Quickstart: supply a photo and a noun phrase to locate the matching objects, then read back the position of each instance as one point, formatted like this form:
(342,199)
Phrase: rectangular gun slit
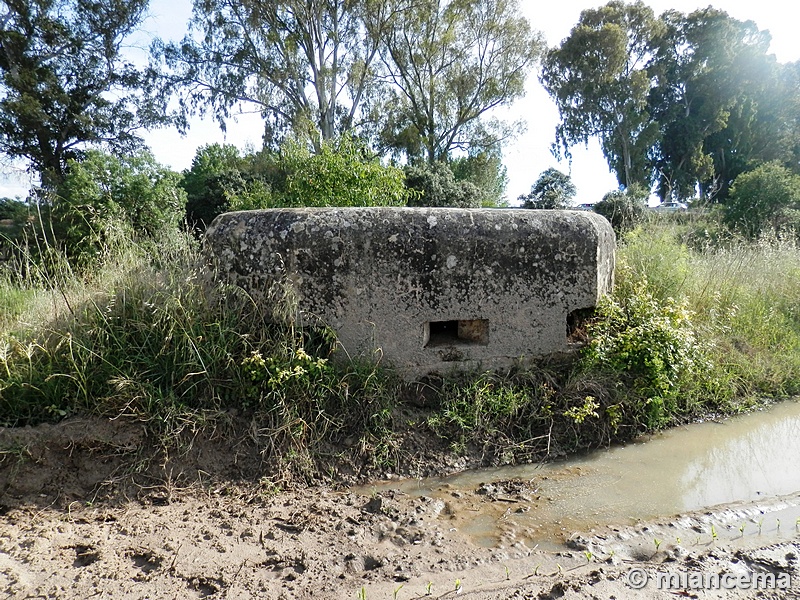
(456,332)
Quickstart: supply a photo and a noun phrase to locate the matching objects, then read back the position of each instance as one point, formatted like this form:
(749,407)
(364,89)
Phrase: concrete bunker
(429,289)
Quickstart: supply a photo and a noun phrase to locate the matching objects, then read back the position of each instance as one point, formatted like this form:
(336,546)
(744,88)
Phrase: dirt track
(240,540)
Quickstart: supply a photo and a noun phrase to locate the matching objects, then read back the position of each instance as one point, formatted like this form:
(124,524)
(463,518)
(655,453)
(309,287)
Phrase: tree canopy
(449,64)
(683,102)
(687,102)
(708,68)
(64,84)
(307,66)
(598,78)
(553,189)
(415,76)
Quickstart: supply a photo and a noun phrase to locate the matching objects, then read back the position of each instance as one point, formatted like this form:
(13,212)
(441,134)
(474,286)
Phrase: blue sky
(527,156)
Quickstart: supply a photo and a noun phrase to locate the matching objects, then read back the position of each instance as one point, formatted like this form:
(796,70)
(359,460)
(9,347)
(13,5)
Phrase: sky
(526,156)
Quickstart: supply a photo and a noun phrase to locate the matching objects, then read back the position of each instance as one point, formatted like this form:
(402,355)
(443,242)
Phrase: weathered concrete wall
(431,288)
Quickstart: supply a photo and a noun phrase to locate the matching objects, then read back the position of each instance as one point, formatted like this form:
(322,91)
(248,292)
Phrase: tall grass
(744,296)
(149,334)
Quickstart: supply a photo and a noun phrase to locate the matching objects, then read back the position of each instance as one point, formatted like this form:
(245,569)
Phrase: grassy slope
(147,334)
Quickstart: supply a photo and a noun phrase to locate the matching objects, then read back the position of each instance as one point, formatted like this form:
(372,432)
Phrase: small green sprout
(657,542)
(428,588)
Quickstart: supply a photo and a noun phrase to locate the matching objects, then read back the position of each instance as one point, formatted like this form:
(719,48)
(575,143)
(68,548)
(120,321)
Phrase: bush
(342,174)
(652,347)
(742,296)
(103,193)
(435,185)
(624,209)
(553,190)
(13,210)
(14,219)
(763,198)
(221,180)
(486,171)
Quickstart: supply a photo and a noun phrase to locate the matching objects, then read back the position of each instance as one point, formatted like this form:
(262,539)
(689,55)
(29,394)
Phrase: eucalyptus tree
(449,63)
(710,72)
(306,65)
(763,124)
(65,84)
(599,81)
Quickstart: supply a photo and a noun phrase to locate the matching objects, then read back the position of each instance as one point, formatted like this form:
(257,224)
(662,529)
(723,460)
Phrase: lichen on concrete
(427,289)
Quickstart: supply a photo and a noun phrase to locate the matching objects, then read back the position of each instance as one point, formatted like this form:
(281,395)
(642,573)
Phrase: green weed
(150,335)
(697,325)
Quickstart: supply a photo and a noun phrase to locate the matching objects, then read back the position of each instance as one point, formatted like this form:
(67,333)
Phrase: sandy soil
(70,528)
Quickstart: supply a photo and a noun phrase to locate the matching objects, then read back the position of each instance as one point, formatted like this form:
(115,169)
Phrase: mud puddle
(749,459)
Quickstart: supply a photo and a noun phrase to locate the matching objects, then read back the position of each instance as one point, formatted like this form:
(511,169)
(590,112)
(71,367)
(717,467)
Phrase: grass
(745,300)
(698,324)
(149,335)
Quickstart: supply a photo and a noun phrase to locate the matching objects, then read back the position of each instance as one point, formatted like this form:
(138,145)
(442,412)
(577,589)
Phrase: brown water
(753,457)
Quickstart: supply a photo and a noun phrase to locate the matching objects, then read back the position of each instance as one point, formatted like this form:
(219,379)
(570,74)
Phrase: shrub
(342,174)
(486,171)
(552,190)
(653,348)
(13,210)
(435,185)
(743,299)
(103,193)
(762,198)
(221,180)
(15,218)
(624,209)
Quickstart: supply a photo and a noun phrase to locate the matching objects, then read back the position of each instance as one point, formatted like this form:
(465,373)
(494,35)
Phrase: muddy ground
(74,525)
